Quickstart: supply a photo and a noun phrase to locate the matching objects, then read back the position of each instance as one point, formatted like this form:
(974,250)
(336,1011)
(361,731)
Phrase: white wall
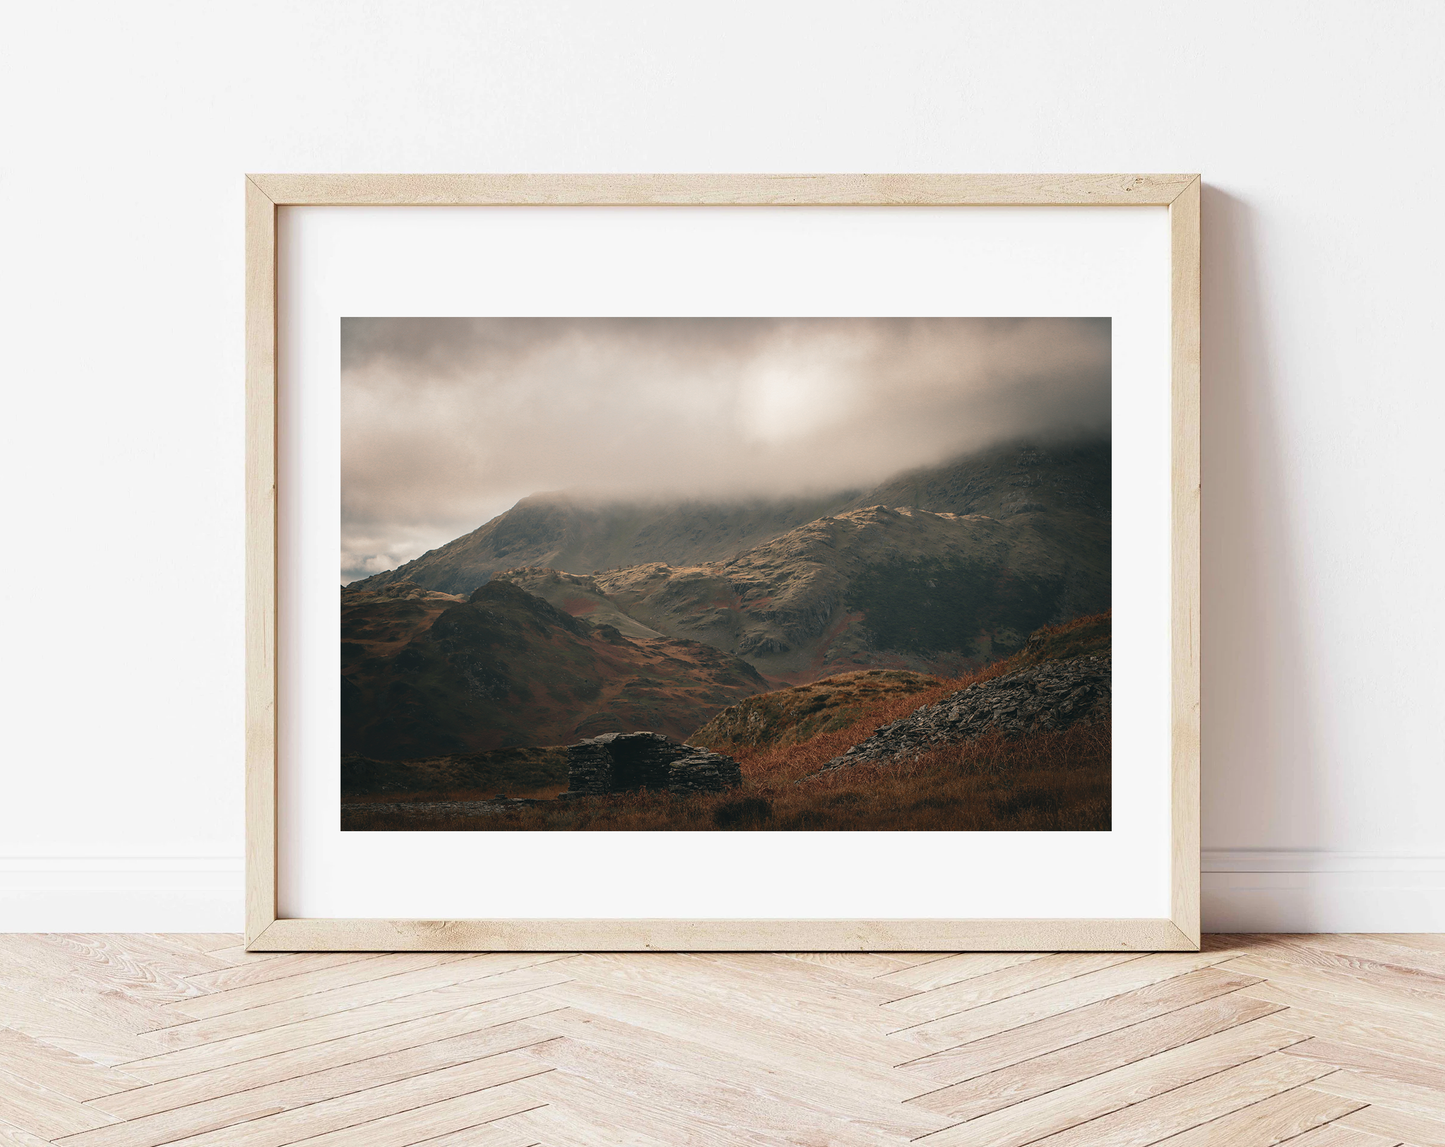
(127,129)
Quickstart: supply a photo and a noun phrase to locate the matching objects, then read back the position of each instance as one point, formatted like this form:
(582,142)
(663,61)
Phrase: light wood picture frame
(265,930)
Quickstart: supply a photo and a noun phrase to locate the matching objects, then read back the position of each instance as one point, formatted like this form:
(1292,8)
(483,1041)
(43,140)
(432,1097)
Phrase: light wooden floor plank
(1389,1122)
(774,971)
(1351,955)
(1027,1007)
(1342,1018)
(1338,1135)
(939,1003)
(1100,1096)
(468,1113)
(208,942)
(771,1113)
(598,1105)
(914,959)
(494,1025)
(44,1112)
(334,1025)
(282,989)
(271,1099)
(1273,1120)
(72,1026)
(952,969)
(1406,951)
(865,964)
(189,1041)
(1376,1064)
(503,1132)
(1006,1086)
(416,975)
(260,967)
(323,1118)
(757,1001)
(1402,991)
(692,1065)
(1074,1025)
(1184,1108)
(12,1136)
(49,1066)
(1426,1101)
(744,1037)
(569,1126)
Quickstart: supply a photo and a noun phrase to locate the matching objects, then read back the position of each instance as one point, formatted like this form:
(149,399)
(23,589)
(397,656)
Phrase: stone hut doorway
(637,764)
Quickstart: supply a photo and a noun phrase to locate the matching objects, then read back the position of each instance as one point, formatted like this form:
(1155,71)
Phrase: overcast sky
(446,423)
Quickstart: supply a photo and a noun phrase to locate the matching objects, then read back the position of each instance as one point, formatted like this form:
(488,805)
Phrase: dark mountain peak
(516,604)
(507,668)
(539,520)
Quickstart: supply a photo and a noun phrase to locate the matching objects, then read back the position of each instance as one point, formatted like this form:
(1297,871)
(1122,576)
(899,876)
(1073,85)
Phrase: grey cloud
(446,422)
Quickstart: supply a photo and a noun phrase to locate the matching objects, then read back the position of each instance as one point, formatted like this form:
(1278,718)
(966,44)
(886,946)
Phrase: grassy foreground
(1051,782)
(1046,782)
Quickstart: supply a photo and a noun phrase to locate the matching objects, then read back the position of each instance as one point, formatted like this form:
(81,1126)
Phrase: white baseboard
(1243,891)
(1262,891)
(121,894)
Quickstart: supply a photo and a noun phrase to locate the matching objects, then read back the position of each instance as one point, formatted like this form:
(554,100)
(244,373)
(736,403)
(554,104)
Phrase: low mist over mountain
(935,570)
(579,535)
(447,422)
(766,533)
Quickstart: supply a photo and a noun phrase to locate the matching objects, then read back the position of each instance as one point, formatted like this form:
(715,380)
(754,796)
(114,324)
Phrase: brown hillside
(1040,782)
(878,588)
(425,675)
(786,716)
(773,731)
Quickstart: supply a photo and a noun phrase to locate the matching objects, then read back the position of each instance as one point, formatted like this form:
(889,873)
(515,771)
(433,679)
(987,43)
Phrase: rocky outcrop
(620,762)
(1046,697)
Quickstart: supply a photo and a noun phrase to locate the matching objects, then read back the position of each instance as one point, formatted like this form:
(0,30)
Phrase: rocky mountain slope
(882,586)
(429,675)
(542,654)
(879,587)
(575,535)
(1062,676)
(1043,698)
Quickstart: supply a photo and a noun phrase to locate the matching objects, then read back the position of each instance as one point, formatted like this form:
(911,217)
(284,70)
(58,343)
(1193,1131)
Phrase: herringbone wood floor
(141,1040)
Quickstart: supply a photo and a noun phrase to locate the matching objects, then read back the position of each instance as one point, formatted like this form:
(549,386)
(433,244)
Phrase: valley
(793,749)
(757,629)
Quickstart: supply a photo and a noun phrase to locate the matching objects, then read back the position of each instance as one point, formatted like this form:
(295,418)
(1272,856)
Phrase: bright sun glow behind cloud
(447,422)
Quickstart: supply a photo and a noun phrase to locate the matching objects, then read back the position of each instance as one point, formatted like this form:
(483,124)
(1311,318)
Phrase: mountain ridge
(1008,541)
(582,536)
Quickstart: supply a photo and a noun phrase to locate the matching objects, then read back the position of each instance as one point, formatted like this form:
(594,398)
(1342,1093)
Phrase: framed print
(723,562)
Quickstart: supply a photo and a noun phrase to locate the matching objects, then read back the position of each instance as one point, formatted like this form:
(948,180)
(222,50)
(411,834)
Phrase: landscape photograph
(726,574)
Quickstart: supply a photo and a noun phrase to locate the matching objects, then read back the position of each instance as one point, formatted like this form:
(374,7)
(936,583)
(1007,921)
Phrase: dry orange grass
(1059,782)
(1047,782)
(426,796)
